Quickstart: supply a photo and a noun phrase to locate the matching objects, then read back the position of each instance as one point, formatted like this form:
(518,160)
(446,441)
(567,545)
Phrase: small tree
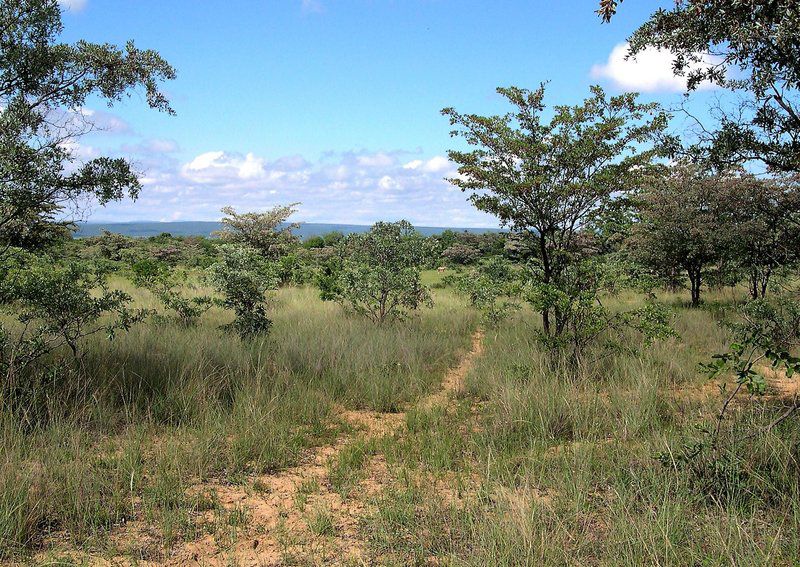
(380,273)
(267,232)
(763,222)
(549,179)
(243,276)
(682,226)
(55,306)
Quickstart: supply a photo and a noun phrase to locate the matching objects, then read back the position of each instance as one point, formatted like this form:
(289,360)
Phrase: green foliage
(682,226)
(761,223)
(243,276)
(549,178)
(327,278)
(164,283)
(380,272)
(267,232)
(586,323)
(753,49)
(55,306)
(326,240)
(490,288)
(44,82)
(460,254)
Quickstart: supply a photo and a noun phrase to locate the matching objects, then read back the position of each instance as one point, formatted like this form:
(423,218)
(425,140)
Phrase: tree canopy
(43,87)
(549,178)
(750,48)
(267,232)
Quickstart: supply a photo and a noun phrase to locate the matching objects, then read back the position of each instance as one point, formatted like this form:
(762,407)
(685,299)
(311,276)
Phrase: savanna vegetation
(610,380)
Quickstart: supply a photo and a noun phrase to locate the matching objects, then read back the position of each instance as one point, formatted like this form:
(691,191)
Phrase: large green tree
(682,226)
(755,54)
(44,85)
(549,173)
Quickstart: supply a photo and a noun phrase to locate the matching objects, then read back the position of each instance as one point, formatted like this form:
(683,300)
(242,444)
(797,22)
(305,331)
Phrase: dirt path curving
(297,515)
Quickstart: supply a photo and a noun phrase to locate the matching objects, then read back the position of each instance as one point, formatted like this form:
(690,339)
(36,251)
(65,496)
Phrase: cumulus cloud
(650,71)
(436,164)
(73,5)
(212,166)
(348,187)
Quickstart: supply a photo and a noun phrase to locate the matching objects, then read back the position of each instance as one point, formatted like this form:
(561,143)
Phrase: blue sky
(335,103)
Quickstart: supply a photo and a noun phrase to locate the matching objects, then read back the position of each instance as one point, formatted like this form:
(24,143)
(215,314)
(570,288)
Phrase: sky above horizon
(336,103)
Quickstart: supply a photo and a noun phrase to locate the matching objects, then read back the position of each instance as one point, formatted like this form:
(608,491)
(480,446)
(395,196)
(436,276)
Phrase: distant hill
(205,228)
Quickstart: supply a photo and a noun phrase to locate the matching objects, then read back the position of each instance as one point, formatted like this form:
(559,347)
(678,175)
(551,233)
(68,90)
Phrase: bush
(380,274)
(243,276)
(55,306)
(490,288)
(162,282)
(461,254)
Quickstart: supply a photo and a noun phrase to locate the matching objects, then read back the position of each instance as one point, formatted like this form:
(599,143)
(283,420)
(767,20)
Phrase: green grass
(541,468)
(528,466)
(163,407)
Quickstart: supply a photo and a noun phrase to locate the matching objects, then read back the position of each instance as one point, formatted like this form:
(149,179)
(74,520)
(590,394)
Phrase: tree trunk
(546,277)
(753,284)
(695,280)
(765,282)
(546,321)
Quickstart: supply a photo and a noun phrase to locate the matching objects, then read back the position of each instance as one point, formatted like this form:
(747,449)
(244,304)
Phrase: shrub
(380,274)
(243,276)
(461,254)
(162,282)
(55,306)
(490,288)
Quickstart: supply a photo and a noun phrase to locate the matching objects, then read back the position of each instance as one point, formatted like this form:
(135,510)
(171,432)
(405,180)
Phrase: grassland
(333,441)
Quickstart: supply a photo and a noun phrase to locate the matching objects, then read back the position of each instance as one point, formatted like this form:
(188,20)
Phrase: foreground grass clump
(122,436)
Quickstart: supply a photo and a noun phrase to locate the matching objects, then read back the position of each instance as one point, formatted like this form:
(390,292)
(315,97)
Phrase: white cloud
(387,183)
(650,71)
(73,5)
(375,160)
(351,187)
(211,166)
(437,164)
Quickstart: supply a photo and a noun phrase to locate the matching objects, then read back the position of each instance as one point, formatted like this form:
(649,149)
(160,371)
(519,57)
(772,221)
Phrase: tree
(55,306)
(763,226)
(379,277)
(43,87)
(243,276)
(750,48)
(680,226)
(267,232)
(549,178)
(461,254)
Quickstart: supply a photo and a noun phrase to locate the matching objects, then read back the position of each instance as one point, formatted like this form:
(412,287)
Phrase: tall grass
(125,432)
(564,470)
